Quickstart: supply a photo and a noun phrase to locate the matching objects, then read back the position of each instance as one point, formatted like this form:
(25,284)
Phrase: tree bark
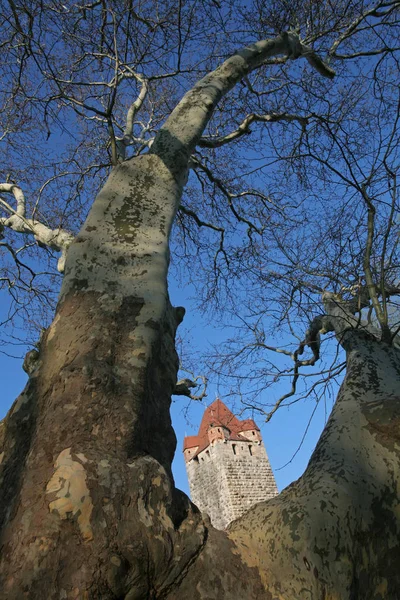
(90,437)
(335,532)
(90,512)
(88,505)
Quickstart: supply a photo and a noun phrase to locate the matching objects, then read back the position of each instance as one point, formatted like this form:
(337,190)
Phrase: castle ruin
(227,465)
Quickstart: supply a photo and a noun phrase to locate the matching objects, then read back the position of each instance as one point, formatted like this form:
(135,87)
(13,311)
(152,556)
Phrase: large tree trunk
(88,445)
(88,505)
(335,533)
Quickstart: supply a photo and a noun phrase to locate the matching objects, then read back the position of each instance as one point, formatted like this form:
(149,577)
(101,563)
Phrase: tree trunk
(335,532)
(88,505)
(89,509)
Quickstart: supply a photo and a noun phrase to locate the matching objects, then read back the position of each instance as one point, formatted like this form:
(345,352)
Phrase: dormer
(217,432)
(190,447)
(250,431)
(189,453)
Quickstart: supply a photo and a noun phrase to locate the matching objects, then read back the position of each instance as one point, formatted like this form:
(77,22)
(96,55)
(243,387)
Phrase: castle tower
(227,465)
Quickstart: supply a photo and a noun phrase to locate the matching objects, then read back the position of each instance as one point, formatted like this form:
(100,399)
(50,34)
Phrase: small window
(251,451)
(219,431)
(234,448)
(253,432)
(208,453)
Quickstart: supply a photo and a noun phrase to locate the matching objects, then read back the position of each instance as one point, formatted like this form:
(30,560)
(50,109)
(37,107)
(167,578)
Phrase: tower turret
(227,465)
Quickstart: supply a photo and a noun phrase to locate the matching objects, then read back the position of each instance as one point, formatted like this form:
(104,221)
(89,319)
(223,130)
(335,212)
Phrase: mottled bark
(89,444)
(335,532)
(90,515)
(88,506)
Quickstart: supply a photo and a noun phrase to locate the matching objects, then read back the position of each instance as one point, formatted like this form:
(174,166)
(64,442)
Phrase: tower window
(234,448)
(251,451)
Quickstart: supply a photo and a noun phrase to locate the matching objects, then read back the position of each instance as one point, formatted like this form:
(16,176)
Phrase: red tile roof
(218,415)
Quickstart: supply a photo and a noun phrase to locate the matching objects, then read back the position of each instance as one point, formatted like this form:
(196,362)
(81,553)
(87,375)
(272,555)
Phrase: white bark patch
(164,517)
(52,328)
(73,498)
(115,560)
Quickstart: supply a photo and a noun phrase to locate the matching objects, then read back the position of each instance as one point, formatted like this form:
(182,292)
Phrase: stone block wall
(228,477)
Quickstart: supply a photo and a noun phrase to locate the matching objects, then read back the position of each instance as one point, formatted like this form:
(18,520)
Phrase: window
(251,451)
(234,448)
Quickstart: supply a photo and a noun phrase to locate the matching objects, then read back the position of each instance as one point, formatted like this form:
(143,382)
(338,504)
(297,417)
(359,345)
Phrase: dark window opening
(251,451)
(234,448)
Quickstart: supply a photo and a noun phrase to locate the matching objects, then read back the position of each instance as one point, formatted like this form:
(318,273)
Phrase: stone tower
(227,465)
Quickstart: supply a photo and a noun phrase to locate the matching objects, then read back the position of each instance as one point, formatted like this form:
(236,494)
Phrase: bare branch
(183,387)
(199,222)
(376,52)
(57,239)
(244,128)
(318,326)
(316,62)
(136,105)
(197,105)
(354,25)
(228,195)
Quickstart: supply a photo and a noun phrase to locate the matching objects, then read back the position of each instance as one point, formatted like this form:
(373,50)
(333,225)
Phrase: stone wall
(228,477)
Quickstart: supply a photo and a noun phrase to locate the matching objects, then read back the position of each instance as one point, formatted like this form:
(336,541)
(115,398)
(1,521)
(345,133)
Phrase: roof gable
(218,415)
